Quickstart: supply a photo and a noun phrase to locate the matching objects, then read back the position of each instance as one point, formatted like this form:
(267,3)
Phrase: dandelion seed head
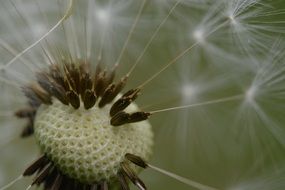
(198,35)
(233,20)
(39,29)
(251,94)
(103,16)
(189,91)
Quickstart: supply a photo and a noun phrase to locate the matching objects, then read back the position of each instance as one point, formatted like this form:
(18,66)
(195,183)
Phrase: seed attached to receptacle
(124,101)
(132,176)
(70,137)
(136,160)
(35,166)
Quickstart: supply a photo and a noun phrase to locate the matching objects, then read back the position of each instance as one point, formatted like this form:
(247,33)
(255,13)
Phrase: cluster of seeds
(76,84)
(74,111)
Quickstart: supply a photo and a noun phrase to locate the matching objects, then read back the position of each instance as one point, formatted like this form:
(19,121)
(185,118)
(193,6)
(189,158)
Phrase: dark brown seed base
(75,84)
(52,179)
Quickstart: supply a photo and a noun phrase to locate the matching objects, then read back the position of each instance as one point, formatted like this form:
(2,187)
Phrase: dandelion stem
(12,183)
(200,104)
(130,33)
(65,16)
(182,179)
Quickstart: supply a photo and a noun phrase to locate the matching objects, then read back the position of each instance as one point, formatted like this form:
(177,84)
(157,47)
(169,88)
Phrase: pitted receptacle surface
(83,144)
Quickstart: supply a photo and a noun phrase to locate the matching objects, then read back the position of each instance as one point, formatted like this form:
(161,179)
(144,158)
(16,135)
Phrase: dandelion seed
(250,94)
(103,16)
(189,91)
(199,35)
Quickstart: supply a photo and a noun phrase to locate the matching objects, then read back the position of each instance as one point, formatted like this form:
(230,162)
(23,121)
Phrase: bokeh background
(238,50)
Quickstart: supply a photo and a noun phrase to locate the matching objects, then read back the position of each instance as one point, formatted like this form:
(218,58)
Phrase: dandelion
(180,94)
